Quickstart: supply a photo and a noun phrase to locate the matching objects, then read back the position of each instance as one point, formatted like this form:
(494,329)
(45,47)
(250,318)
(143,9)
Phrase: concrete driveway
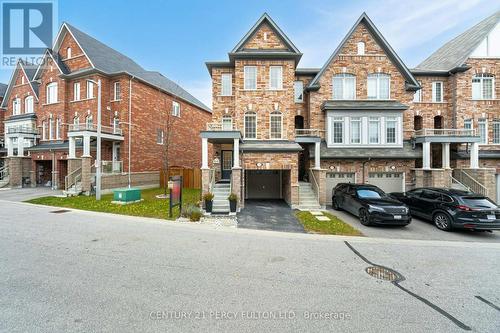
(417,229)
(23,194)
(273,215)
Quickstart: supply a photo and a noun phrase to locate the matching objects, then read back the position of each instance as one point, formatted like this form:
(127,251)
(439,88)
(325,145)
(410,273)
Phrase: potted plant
(233,200)
(208,198)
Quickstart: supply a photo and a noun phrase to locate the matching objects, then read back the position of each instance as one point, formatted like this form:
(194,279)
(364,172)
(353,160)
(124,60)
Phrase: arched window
(227,123)
(379,86)
(52,93)
(344,86)
(51,128)
(361,48)
(276,125)
(250,130)
(44,130)
(89,123)
(417,123)
(483,86)
(16,106)
(28,104)
(68,53)
(58,128)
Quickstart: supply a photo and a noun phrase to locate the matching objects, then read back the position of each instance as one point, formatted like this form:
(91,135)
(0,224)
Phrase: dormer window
(361,48)
(68,53)
(52,93)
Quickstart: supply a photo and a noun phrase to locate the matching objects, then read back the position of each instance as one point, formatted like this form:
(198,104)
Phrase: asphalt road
(90,272)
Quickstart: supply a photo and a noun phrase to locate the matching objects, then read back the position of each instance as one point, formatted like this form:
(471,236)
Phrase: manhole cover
(382,273)
(60,211)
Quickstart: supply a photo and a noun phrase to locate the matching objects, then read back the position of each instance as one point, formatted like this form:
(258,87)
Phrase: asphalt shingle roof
(406,152)
(363,105)
(3,89)
(110,61)
(454,53)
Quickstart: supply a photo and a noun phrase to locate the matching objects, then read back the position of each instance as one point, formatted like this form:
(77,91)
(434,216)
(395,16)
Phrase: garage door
(387,181)
(333,178)
(263,184)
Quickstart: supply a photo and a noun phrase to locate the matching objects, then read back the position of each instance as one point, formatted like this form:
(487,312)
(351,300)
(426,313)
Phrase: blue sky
(177,37)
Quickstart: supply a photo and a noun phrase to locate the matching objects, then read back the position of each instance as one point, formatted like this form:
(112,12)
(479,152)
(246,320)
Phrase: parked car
(370,204)
(449,208)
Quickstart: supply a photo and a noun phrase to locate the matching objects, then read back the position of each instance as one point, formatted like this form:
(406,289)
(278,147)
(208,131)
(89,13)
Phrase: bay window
(250,78)
(250,125)
(379,86)
(344,86)
(276,125)
(390,129)
(275,78)
(483,86)
(356,130)
(338,130)
(374,130)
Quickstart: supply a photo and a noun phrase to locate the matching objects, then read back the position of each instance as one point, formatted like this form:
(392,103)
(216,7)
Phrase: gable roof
(454,53)
(3,89)
(56,59)
(111,62)
(29,70)
(265,18)
(412,83)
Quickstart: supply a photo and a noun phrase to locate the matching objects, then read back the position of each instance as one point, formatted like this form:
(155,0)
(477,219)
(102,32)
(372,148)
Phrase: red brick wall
(78,59)
(20,90)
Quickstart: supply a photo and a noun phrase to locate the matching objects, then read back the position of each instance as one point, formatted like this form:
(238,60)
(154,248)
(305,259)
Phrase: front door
(227,164)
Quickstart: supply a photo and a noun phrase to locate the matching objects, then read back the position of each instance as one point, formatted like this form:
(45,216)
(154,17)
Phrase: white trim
(55,98)
(30,97)
(485,122)
(378,76)
(276,114)
(114,91)
(230,84)
(301,100)
(79,91)
(174,105)
(434,100)
(245,80)
(280,78)
(250,114)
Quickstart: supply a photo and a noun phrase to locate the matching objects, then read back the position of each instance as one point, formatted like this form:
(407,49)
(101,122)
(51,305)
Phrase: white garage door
(387,181)
(333,178)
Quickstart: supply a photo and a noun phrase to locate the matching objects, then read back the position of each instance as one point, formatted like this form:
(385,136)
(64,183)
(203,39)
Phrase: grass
(333,227)
(149,207)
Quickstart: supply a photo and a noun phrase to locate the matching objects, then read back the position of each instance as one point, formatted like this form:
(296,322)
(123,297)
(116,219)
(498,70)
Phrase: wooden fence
(191,177)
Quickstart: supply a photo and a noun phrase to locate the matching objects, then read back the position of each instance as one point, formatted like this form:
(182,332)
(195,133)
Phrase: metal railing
(308,132)
(93,128)
(445,132)
(112,167)
(314,184)
(458,184)
(468,181)
(4,172)
(217,126)
(73,178)
(22,129)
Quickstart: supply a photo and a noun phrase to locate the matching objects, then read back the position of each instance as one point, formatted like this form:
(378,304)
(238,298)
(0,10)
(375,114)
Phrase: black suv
(370,204)
(449,208)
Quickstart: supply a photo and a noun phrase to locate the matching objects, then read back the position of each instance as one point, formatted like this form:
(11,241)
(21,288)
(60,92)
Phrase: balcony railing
(445,132)
(22,129)
(308,132)
(112,167)
(221,127)
(93,127)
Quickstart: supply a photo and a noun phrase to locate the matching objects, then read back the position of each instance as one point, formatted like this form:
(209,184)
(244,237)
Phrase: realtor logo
(28,28)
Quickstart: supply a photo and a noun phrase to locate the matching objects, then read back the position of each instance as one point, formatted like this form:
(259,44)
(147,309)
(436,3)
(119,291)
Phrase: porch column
(72,145)
(426,155)
(10,147)
(317,160)
(236,153)
(474,156)
(446,155)
(86,145)
(204,153)
(20,146)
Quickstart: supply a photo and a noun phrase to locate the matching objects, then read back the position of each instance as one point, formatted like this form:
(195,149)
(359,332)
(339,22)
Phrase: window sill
(81,100)
(225,95)
(278,89)
(46,104)
(115,100)
(299,102)
(250,89)
(369,145)
(484,100)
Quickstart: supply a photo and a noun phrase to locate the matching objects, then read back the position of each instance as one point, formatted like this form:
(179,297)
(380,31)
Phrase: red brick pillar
(236,187)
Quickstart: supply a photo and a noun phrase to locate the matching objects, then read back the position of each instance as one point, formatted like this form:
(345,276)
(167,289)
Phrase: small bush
(208,196)
(187,210)
(195,214)
(232,197)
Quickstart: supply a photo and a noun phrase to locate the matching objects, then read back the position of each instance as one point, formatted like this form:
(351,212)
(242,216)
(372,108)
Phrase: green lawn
(333,227)
(149,207)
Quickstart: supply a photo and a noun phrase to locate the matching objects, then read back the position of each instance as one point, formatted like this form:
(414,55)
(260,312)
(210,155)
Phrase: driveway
(273,215)
(418,229)
(23,194)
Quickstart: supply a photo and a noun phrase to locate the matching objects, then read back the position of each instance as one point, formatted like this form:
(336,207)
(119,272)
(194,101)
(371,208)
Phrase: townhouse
(283,132)
(51,117)
(3,89)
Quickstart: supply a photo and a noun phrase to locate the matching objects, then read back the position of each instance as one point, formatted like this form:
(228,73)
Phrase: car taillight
(465,208)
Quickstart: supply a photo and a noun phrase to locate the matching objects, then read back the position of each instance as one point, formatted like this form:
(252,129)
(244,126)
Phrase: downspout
(130,129)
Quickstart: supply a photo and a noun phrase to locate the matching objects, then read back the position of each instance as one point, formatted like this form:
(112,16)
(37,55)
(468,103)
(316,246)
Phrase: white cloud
(201,89)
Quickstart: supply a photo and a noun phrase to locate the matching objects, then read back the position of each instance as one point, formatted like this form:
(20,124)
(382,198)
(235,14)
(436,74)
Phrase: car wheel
(364,217)
(442,221)
(335,205)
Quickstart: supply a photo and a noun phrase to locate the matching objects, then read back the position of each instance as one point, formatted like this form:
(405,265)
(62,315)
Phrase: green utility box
(126,195)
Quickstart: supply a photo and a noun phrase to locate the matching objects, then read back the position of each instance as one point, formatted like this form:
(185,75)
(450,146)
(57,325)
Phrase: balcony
(22,130)
(218,132)
(113,130)
(446,135)
(221,127)
(308,135)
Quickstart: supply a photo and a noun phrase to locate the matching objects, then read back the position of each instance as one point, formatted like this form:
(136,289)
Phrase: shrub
(187,210)
(195,214)
(208,196)
(232,197)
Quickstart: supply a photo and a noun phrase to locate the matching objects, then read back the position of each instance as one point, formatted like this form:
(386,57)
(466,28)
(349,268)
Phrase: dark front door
(226,164)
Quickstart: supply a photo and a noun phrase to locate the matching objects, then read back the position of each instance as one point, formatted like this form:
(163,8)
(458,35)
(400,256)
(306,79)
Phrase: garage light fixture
(259,164)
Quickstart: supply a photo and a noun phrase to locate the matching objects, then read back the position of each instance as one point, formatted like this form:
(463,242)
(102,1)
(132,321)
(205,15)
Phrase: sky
(177,37)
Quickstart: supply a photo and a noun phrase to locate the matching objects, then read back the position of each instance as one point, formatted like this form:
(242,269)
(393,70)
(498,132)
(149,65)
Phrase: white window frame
(116,124)
(68,53)
(344,78)
(361,48)
(298,91)
(338,120)
(249,115)
(76,91)
(417,96)
(246,79)
(51,128)
(176,109)
(58,128)
(279,79)
(76,123)
(434,92)
(226,84)
(378,79)
(89,122)
(378,121)
(387,121)
(160,136)
(272,116)
(227,126)
(29,104)
(16,106)
(117,91)
(44,130)
(481,94)
(359,122)
(90,89)
(51,91)
(484,139)
(496,131)
(468,124)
